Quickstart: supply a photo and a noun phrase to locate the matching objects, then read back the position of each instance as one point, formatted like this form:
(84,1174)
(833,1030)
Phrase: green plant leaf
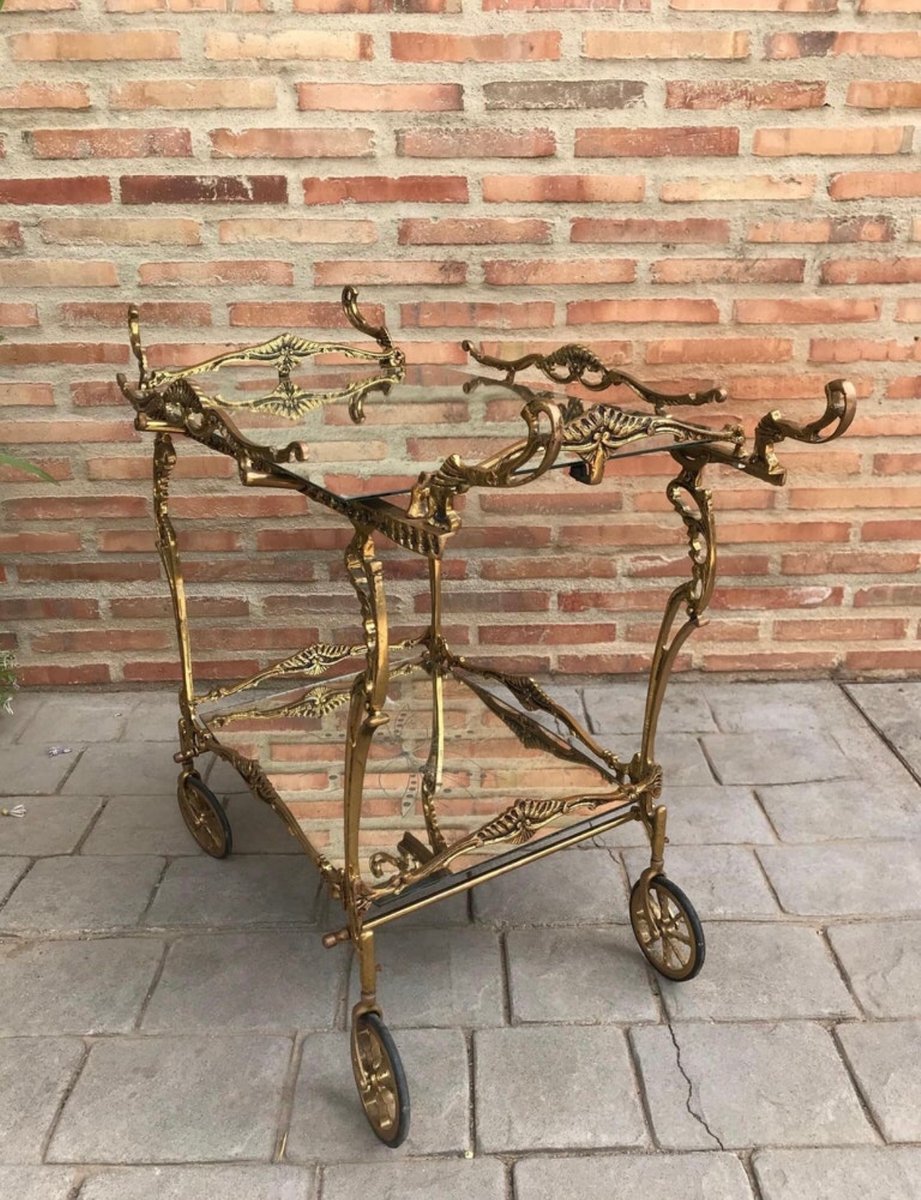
(21,464)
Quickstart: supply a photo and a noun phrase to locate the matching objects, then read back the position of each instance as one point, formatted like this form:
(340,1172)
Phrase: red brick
(546,271)
(309,315)
(377,6)
(169,313)
(883,660)
(858,498)
(380,97)
(727,270)
(823,229)
(301,44)
(39,608)
(183,94)
(67,46)
(897,44)
(33,395)
(904,387)
(472,232)
(850,562)
(245,230)
(891,531)
(473,142)
(807,310)
(565,189)
(875,93)
(95,394)
(884,595)
(433,315)
(74,508)
(45,95)
(846,350)
(89,572)
(639,229)
(740,93)
(671,311)
(908,310)
(537,635)
(455,48)
(665,43)
(719,350)
(40,543)
(383,189)
(871,270)
(18,316)
(233,273)
(110,143)
(291,143)
(754,6)
(204,189)
(60,353)
(779,141)
(108,641)
(566,5)
(683,141)
(121,231)
(75,189)
(737,187)
(63,676)
(860,185)
(355,271)
(10,235)
(57,272)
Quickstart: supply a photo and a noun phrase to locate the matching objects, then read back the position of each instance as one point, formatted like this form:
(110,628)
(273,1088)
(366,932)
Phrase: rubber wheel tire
(378,1029)
(204,816)
(639,918)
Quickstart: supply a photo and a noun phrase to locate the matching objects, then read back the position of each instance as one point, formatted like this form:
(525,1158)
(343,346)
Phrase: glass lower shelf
(487,771)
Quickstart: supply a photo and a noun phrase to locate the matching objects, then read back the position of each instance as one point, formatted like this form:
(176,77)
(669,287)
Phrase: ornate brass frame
(558,433)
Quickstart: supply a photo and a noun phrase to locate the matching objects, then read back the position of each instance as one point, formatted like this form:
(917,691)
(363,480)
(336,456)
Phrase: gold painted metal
(560,432)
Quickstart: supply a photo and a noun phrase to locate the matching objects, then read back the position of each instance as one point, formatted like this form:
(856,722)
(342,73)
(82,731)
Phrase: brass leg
(694,596)
(164,459)
(366,713)
(434,767)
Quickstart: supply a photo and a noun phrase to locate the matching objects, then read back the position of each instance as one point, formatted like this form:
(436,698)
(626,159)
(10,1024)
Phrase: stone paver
(242,1182)
(31,771)
(720,881)
(747,1085)
(124,769)
(448,1179)
(843,808)
(275,982)
(887,1066)
(178,1099)
(11,871)
(428,978)
(140,825)
(79,987)
(626,1176)
(536,1085)
(890,1173)
(787,756)
(882,960)
(761,973)
(166,1020)
(96,718)
(327,1122)
(837,879)
(249,890)
(34,1075)
(620,706)
(557,890)
(701,815)
(52,824)
(613,980)
(894,709)
(82,894)
(757,707)
(37,1183)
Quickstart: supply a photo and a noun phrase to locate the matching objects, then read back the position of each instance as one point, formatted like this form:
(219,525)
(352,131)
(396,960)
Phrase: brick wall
(716,191)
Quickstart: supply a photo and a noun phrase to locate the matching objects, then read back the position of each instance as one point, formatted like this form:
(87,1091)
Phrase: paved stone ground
(171,1029)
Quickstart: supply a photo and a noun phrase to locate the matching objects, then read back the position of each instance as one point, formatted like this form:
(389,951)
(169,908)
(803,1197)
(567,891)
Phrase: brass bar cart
(383,852)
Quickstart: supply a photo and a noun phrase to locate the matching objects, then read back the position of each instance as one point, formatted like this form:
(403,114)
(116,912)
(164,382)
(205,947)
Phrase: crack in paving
(698,1117)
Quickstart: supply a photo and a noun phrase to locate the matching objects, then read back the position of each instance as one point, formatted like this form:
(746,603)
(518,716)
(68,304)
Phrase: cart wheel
(667,928)
(204,815)
(380,1079)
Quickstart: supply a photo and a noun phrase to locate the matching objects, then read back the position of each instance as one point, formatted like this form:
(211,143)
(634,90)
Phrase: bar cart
(452,771)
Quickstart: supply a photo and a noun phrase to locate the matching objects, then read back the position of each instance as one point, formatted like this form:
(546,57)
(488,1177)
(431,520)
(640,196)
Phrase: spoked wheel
(380,1079)
(204,815)
(667,928)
